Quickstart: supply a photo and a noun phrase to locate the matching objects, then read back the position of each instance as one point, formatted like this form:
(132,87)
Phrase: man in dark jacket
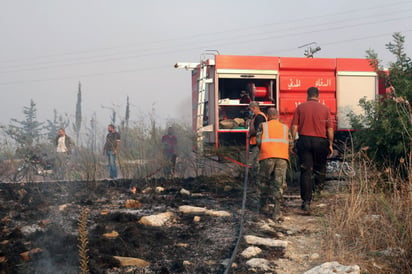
(111,149)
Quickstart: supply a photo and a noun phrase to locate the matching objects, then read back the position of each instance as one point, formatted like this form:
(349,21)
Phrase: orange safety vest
(252,140)
(275,140)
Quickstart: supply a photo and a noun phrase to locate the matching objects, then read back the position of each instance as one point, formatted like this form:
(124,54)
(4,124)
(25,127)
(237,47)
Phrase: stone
(130,203)
(267,227)
(228,188)
(30,229)
(260,263)
(104,212)
(159,189)
(129,261)
(63,207)
(196,210)
(218,213)
(27,254)
(147,190)
(191,209)
(290,232)
(111,235)
(334,268)
(251,251)
(254,240)
(314,256)
(184,192)
(156,220)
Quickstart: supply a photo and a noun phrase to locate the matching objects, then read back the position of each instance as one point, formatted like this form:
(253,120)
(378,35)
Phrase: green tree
(26,132)
(388,120)
(400,76)
(78,122)
(124,125)
(127,114)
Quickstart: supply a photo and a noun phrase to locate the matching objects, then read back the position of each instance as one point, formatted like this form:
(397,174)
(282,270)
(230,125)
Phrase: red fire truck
(280,82)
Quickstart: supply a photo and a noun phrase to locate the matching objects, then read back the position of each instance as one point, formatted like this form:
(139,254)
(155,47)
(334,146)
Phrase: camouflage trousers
(254,161)
(253,199)
(272,183)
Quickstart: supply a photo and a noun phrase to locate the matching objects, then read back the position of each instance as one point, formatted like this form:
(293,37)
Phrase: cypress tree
(78,122)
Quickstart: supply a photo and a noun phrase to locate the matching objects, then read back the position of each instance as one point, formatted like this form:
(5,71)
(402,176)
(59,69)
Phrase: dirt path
(303,232)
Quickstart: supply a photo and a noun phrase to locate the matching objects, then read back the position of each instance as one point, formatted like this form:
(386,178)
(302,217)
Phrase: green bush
(385,127)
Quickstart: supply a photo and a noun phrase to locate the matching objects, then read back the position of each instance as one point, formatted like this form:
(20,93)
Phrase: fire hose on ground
(242,214)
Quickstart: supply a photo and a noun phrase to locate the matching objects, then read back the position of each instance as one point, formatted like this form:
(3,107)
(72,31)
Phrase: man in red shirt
(313,122)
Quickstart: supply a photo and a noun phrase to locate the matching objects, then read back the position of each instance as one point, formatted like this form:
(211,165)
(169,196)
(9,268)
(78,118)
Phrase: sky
(128,48)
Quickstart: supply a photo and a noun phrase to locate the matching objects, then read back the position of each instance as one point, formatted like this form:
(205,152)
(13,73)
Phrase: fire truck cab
(220,118)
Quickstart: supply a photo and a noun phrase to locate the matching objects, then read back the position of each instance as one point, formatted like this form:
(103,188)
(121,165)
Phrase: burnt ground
(43,219)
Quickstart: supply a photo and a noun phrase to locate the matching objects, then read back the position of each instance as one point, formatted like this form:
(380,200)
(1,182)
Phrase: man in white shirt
(64,145)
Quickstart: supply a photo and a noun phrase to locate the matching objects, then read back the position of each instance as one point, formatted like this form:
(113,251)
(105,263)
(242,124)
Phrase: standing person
(169,143)
(111,148)
(258,118)
(64,146)
(273,141)
(313,122)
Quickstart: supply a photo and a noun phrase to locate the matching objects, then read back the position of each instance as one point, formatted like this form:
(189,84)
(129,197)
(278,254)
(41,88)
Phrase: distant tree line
(140,139)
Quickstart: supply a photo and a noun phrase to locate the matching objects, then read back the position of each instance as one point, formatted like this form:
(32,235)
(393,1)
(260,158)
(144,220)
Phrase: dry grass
(370,224)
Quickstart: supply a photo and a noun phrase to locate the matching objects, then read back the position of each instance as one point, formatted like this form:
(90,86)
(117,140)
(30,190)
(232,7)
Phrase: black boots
(305,206)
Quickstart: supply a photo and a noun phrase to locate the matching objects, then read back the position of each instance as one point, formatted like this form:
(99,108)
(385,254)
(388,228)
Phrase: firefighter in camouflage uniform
(273,141)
